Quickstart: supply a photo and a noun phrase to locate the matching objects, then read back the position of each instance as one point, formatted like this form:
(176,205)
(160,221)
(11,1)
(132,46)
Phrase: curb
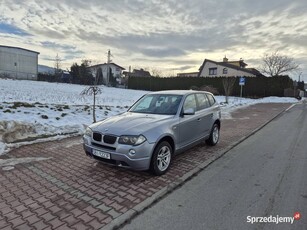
(138,209)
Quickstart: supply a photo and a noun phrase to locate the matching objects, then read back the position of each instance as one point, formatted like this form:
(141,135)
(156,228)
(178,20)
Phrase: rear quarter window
(211,99)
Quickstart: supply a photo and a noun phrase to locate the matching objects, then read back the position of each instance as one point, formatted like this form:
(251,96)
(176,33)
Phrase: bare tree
(89,91)
(276,64)
(57,66)
(228,83)
(156,72)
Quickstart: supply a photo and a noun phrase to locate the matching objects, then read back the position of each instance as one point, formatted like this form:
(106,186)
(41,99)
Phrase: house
(18,63)
(226,68)
(191,74)
(115,69)
(137,73)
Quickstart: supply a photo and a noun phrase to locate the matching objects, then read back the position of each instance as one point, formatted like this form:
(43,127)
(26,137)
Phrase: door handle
(199,119)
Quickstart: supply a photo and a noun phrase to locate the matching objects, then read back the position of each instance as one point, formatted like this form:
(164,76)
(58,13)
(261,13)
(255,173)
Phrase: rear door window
(202,101)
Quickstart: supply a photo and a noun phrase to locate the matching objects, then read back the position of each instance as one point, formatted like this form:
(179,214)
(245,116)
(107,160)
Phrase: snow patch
(34,109)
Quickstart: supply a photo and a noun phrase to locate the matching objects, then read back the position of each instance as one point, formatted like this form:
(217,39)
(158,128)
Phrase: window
(225,71)
(143,104)
(190,103)
(212,71)
(202,101)
(157,104)
(211,99)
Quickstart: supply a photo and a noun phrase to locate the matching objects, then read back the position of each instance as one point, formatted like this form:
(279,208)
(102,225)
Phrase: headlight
(88,132)
(131,140)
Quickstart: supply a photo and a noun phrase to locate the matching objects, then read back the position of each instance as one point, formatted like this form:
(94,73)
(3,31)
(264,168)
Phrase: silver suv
(154,129)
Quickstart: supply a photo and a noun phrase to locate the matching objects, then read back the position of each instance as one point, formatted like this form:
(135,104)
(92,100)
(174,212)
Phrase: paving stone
(72,191)
(55,223)
(17,221)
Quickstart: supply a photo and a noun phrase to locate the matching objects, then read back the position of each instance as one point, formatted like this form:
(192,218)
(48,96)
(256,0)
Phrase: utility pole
(108,71)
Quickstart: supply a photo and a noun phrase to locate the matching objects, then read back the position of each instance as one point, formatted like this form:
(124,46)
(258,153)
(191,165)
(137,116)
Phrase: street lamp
(299,76)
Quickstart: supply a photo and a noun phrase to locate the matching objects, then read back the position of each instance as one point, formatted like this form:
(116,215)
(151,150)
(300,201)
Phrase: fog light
(131,152)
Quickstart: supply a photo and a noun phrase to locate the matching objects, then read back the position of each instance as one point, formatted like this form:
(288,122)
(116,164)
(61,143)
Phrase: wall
(18,63)
(115,70)
(231,72)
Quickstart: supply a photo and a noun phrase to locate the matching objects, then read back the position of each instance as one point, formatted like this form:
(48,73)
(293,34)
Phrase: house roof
(229,65)
(13,47)
(107,64)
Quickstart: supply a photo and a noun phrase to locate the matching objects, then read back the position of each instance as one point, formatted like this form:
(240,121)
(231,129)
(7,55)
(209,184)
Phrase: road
(265,175)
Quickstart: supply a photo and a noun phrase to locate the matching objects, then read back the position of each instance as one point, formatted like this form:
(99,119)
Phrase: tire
(214,135)
(161,158)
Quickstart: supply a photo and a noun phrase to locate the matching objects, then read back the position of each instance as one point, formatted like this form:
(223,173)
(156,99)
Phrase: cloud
(172,34)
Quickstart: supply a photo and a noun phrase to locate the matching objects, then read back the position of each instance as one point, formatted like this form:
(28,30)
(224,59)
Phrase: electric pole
(108,70)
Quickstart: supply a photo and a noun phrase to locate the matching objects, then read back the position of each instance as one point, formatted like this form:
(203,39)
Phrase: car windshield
(157,104)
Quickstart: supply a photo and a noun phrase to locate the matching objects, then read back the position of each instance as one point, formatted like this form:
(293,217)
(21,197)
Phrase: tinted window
(190,102)
(211,99)
(202,101)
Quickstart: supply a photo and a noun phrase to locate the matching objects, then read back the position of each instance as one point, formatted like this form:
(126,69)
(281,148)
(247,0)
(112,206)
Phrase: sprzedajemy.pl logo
(273,219)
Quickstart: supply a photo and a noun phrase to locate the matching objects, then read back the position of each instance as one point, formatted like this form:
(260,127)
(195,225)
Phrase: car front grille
(109,139)
(97,136)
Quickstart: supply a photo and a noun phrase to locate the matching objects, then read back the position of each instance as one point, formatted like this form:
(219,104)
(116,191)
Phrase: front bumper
(121,157)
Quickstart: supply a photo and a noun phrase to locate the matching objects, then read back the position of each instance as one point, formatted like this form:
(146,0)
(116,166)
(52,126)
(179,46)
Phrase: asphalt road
(264,176)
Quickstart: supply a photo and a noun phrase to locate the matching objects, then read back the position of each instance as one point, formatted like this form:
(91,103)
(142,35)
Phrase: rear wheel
(214,135)
(161,158)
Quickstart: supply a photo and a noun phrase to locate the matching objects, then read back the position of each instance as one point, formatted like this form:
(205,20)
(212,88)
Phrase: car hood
(130,123)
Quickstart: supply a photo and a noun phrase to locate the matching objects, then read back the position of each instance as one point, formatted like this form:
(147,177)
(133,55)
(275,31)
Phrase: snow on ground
(31,109)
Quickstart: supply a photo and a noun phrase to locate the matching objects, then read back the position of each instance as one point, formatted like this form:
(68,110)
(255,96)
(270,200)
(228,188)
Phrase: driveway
(53,185)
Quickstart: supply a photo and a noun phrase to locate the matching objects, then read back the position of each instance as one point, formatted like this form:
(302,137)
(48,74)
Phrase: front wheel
(214,135)
(161,158)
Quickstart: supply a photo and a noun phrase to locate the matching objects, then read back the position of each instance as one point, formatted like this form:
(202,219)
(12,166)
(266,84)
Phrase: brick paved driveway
(71,191)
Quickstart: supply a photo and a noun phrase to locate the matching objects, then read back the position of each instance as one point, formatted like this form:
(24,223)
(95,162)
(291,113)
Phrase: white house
(226,68)
(114,68)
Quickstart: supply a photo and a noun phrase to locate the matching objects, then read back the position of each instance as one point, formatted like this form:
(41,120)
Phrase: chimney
(225,59)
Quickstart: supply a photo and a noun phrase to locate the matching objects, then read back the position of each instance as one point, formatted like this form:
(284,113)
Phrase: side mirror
(189,111)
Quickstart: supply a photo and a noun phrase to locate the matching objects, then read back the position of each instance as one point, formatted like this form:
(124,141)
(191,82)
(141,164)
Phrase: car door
(188,124)
(205,114)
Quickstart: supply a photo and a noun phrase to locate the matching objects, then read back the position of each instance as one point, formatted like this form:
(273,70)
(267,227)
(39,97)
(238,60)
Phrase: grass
(21,104)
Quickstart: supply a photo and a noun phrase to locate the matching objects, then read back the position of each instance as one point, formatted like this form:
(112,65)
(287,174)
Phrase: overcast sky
(171,35)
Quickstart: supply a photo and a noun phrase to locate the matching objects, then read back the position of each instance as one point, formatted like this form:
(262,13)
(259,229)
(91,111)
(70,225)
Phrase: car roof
(178,92)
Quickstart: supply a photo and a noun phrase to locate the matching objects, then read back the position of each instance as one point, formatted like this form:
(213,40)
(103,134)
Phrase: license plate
(101,154)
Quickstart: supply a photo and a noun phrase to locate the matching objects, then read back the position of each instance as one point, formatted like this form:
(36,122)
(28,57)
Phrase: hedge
(254,86)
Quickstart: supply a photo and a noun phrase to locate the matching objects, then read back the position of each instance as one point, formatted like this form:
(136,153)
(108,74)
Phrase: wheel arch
(168,139)
(218,122)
